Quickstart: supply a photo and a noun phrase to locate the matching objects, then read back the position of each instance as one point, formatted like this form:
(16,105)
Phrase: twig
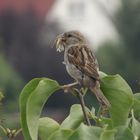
(69,88)
(70,85)
(82,102)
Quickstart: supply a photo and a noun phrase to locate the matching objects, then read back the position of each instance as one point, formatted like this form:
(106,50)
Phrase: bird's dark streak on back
(90,58)
(82,56)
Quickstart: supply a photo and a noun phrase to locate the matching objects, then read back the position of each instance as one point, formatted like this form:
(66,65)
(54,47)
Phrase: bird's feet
(68,87)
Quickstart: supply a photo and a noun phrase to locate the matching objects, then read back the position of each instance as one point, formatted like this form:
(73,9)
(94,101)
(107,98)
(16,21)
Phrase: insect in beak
(59,43)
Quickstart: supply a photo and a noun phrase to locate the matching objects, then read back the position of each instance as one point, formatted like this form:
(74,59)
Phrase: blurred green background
(27,32)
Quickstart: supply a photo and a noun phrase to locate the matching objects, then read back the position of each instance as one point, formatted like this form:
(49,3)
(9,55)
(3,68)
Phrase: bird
(81,62)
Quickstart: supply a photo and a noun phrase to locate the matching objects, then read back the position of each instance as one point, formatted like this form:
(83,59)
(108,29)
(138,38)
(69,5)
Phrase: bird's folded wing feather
(83,58)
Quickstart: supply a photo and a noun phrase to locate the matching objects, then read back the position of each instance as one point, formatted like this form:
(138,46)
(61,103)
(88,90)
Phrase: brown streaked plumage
(80,62)
(84,60)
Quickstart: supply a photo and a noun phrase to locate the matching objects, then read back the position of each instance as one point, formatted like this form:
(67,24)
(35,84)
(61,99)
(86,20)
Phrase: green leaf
(102,74)
(47,126)
(124,133)
(136,106)
(27,90)
(135,126)
(61,134)
(74,119)
(32,100)
(120,96)
(1,96)
(137,96)
(108,134)
(106,121)
(85,132)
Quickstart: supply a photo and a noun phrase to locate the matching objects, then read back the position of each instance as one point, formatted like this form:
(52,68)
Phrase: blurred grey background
(28,29)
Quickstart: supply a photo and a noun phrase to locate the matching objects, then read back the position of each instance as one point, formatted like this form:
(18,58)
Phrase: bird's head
(68,38)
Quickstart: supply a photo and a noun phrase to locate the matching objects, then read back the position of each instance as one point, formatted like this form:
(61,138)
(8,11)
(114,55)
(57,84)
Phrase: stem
(3,129)
(69,88)
(18,131)
(70,85)
(82,102)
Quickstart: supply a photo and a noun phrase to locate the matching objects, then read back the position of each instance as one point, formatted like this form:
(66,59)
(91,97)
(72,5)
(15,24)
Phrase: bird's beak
(59,44)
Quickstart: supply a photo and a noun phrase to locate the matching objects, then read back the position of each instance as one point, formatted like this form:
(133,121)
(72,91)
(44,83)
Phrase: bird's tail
(100,96)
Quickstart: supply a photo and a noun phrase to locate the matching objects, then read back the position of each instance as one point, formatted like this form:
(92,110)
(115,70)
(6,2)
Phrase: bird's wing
(84,59)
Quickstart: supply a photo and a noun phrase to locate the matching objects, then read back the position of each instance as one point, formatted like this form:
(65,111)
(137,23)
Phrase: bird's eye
(69,35)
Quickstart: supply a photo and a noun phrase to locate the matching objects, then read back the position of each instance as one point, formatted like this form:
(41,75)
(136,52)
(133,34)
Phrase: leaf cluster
(120,123)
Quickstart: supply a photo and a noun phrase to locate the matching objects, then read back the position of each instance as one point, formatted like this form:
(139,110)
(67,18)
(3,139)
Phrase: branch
(82,102)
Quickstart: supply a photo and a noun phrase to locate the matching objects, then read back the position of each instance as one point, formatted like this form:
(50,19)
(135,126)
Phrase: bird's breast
(71,69)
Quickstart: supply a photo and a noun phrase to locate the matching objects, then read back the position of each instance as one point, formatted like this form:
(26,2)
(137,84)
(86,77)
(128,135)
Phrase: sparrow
(81,63)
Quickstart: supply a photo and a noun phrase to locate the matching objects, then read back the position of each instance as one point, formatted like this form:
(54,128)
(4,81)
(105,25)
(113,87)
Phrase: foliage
(10,84)
(120,122)
(1,96)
